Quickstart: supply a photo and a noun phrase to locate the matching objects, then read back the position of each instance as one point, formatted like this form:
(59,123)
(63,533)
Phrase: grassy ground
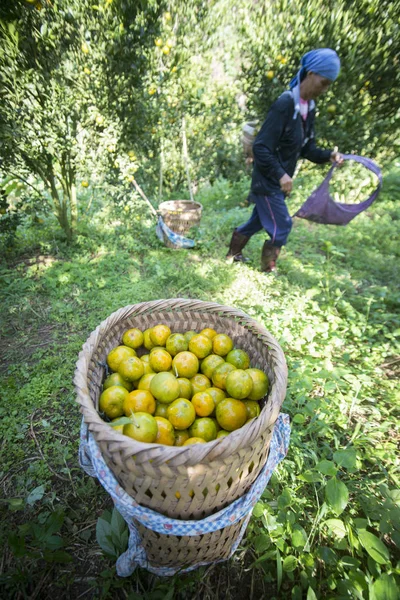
(327,525)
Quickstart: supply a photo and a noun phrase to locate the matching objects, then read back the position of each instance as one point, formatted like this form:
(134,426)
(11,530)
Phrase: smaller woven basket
(180,216)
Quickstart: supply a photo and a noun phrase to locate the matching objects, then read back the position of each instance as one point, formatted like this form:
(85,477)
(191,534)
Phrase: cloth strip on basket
(178,240)
(92,462)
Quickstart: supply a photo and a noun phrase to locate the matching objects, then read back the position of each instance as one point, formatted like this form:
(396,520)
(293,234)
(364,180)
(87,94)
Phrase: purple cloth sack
(321,208)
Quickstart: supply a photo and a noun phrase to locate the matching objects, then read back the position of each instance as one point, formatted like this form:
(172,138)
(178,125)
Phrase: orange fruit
(111,401)
(238,358)
(165,433)
(185,364)
(159,334)
(193,440)
(200,383)
(147,342)
(189,334)
(238,384)
(181,437)
(203,404)
(222,433)
(217,425)
(200,345)
(181,413)
(176,343)
(185,388)
(164,387)
(144,381)
(203,428)
(260,384)
(131,368)
(145,358)
(117,355)
(160,360)
(209,363)
(139,401)
(220,374)
(143,427)
(231,414)
(217,394)
(222,344)
(133,338)
(252,408)
(161,410)
(210,333)
(146,362)
(117,379)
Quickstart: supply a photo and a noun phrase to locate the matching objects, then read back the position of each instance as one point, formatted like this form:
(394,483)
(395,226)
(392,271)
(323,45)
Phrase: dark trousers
(269,213)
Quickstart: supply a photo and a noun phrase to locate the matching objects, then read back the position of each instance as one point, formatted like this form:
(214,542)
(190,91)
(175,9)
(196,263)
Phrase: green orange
(139,401)
(144,381)
(222,344)
(210,363)
(117,379)
(117,355)
(164,387)
(203,404)
(200,345)
(181,437)
(200,383)
(181,413)
(260,384)
(193,440)
(147,342)
(133,338)
(239,384)
(160,360)
(220,374)
(231,414)
(176,343)
(159,334)
(185,364)
(185,388)
(203,428)
(161,410)
(217,394)
(209,332)
(131,368)
(165,432)
(143,427)
(238,358)
(111,401)
(252,408)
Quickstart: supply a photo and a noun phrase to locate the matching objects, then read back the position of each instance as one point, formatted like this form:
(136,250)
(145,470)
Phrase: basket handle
(186,157)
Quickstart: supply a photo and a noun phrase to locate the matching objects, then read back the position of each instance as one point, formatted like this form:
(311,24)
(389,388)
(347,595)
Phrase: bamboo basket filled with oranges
(181,397)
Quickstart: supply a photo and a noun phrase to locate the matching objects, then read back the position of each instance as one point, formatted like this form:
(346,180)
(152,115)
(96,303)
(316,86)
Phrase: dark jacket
(280,142)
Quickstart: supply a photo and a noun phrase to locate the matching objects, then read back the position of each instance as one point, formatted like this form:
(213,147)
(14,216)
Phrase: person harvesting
(286,135)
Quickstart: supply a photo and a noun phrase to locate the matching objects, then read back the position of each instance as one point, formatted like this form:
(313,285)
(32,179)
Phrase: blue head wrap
(323,61)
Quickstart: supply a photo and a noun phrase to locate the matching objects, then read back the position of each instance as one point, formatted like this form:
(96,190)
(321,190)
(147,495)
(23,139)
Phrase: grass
(327,525)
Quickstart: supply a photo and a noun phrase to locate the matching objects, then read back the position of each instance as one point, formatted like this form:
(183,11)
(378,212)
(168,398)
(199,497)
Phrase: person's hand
(286,184)
(336,157)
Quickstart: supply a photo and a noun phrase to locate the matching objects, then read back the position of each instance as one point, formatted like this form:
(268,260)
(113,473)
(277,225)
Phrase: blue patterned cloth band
(91,460)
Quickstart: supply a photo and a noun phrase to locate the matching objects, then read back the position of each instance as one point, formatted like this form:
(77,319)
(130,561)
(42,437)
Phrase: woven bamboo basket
(208,476)
(180,216)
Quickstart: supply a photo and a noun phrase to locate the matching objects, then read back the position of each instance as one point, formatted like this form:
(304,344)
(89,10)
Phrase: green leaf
(258,510)
(299,419)
(285,499)
(299,537)
(278,569)
(326,467)
(337,495)
(385,588)
(375,548)
(289,563)
(346,458)
(35,495)
(311,594)
(103,536)
(118,524)
(337,527)
(261,542)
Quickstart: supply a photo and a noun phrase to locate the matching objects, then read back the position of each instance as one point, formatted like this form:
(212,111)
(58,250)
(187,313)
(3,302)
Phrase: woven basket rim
(189,204)
(195,453)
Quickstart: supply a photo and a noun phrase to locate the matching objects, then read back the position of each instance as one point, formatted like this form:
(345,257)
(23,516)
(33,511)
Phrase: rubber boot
(269,256)
(238,242)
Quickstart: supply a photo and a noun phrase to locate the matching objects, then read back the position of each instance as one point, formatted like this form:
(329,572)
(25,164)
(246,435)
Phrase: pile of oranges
(189,388)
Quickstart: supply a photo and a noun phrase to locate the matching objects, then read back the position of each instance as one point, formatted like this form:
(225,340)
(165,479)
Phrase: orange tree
(68,71)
